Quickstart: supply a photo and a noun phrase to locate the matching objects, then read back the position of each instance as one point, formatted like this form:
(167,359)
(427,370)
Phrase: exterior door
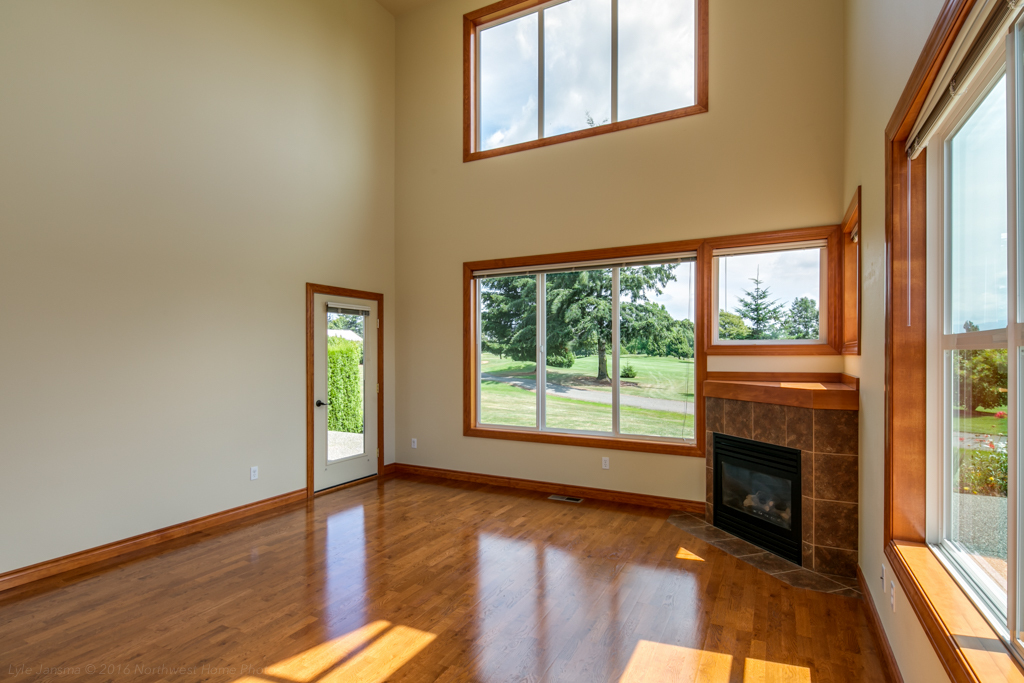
(344,390)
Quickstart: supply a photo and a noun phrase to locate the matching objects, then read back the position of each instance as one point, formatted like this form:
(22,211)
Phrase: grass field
(983,421)
(667,378)
(504,404)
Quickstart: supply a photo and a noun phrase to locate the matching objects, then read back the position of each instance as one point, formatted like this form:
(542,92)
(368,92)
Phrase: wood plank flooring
(415,579)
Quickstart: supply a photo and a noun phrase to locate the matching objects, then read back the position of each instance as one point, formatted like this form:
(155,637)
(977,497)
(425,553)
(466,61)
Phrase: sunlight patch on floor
(685,554)
(761,671)
(370,654)
(657,662)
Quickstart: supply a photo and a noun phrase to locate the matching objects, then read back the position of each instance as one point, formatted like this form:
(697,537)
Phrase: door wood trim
(311,291)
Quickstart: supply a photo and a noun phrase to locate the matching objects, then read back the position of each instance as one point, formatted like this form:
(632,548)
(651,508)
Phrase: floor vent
(566,499)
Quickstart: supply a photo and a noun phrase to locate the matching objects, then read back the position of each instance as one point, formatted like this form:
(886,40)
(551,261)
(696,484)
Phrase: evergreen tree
(802,319)
(731,326)
(763,312)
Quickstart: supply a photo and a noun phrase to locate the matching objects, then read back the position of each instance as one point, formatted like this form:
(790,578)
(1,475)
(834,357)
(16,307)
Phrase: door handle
(320,404)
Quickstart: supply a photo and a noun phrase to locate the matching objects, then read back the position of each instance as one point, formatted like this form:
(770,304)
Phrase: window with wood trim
(539,73)
(776,293)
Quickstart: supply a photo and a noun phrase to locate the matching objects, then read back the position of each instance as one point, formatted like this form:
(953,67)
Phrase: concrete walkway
(603,397)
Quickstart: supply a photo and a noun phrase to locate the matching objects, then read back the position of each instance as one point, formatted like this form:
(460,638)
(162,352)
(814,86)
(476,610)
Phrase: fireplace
(757,494)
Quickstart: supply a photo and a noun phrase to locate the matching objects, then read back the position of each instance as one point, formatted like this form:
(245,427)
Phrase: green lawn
(667,378)
(983,421)
(504,404)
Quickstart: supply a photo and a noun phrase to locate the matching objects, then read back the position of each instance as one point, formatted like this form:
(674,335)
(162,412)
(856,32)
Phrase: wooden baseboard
(891,667)
(692,506)
(59,565)
(388,470)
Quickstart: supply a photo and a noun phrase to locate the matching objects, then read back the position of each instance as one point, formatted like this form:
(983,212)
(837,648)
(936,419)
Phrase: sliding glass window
(613,350)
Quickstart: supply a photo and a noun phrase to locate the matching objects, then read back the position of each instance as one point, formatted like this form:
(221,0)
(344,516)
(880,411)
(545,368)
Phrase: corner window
(589,349)
(538,74)
(776,295)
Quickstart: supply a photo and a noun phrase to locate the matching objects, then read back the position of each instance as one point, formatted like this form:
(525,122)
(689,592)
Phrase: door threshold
(332,489)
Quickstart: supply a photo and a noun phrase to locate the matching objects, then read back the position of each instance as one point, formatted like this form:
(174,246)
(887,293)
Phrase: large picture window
(540,73)
(593,349)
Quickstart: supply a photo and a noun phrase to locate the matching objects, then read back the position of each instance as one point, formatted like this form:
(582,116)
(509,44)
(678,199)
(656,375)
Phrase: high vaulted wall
(172,173)
(768,155)
(883,41)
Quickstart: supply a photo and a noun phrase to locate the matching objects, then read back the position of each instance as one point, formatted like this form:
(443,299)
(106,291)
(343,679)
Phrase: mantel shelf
(820,391)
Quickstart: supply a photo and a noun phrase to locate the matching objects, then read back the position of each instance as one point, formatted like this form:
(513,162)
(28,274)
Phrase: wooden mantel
(818,390)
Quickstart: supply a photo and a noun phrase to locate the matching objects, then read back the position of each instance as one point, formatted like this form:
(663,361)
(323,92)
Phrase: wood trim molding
(470,23)
(850,309)
(91,556)
(615,443)
(661,502)
(892,668)
(800,394)
(311,290)
(970,651)
(833,233)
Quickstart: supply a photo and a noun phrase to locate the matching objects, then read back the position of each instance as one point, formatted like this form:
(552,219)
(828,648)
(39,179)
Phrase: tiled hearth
(827,440)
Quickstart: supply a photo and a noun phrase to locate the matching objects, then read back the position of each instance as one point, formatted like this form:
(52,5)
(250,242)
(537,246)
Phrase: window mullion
(542,371)
(1013,602)
(615,351)
(540,74)
(615,61)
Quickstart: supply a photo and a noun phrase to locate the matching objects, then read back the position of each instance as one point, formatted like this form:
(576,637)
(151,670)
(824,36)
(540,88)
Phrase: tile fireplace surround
(827,439)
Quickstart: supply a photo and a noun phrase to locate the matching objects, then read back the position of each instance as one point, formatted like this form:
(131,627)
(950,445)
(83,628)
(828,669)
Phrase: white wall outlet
(254,473)
(604,463)
(414,443)
(892,595)
(883,574)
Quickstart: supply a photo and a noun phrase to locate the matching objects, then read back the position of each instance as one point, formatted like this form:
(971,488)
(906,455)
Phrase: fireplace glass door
(758,494)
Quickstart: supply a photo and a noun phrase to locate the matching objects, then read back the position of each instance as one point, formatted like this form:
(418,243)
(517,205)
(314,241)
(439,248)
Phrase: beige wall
(883,39)
(768,155)
(171,173)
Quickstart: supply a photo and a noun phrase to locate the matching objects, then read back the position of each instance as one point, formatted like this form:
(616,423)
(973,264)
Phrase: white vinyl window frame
(541,359)
(1003,613)
(823,300)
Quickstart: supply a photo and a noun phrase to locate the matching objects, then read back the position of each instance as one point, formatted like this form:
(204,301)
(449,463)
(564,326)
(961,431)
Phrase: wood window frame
(470,26)
(835,277)
(851,277)
(702,321)
(968,648)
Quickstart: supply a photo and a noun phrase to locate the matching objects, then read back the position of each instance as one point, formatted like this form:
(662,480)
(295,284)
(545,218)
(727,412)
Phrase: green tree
(344,386)
(981,375)
(347,322)
(731,326)
(679,342)
(801,321)
(509,316)
(760,310)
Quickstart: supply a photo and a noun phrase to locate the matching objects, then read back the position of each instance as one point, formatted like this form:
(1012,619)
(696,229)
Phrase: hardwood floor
(415,579)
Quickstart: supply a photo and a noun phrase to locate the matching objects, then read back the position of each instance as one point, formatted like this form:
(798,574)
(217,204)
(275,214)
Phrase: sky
(979,217)
(656,67)
(787,275)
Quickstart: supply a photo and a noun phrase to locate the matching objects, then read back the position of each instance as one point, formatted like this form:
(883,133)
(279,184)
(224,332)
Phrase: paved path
(603,397)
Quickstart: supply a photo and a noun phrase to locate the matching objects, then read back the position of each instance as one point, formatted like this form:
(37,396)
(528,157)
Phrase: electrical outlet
(892,595)
(254,473)
(414,443)
(883,574)
(604,463)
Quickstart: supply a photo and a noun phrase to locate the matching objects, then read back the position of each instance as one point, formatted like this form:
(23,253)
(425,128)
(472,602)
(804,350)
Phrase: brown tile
(713,414)
(808,555)
(709,516)
(835,477)
(835,524)
(848,593)
(806,473)
(835,561)
(799,428)
(769,423)
(835,431)
(709,449)
(737,547)
(805,578)
(848,581)
(709,533)
(737,418)
(807,523)
(769,562)
(710,485)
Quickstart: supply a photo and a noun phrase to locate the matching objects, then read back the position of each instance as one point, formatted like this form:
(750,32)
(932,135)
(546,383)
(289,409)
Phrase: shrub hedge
(983,472)
(344,386)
